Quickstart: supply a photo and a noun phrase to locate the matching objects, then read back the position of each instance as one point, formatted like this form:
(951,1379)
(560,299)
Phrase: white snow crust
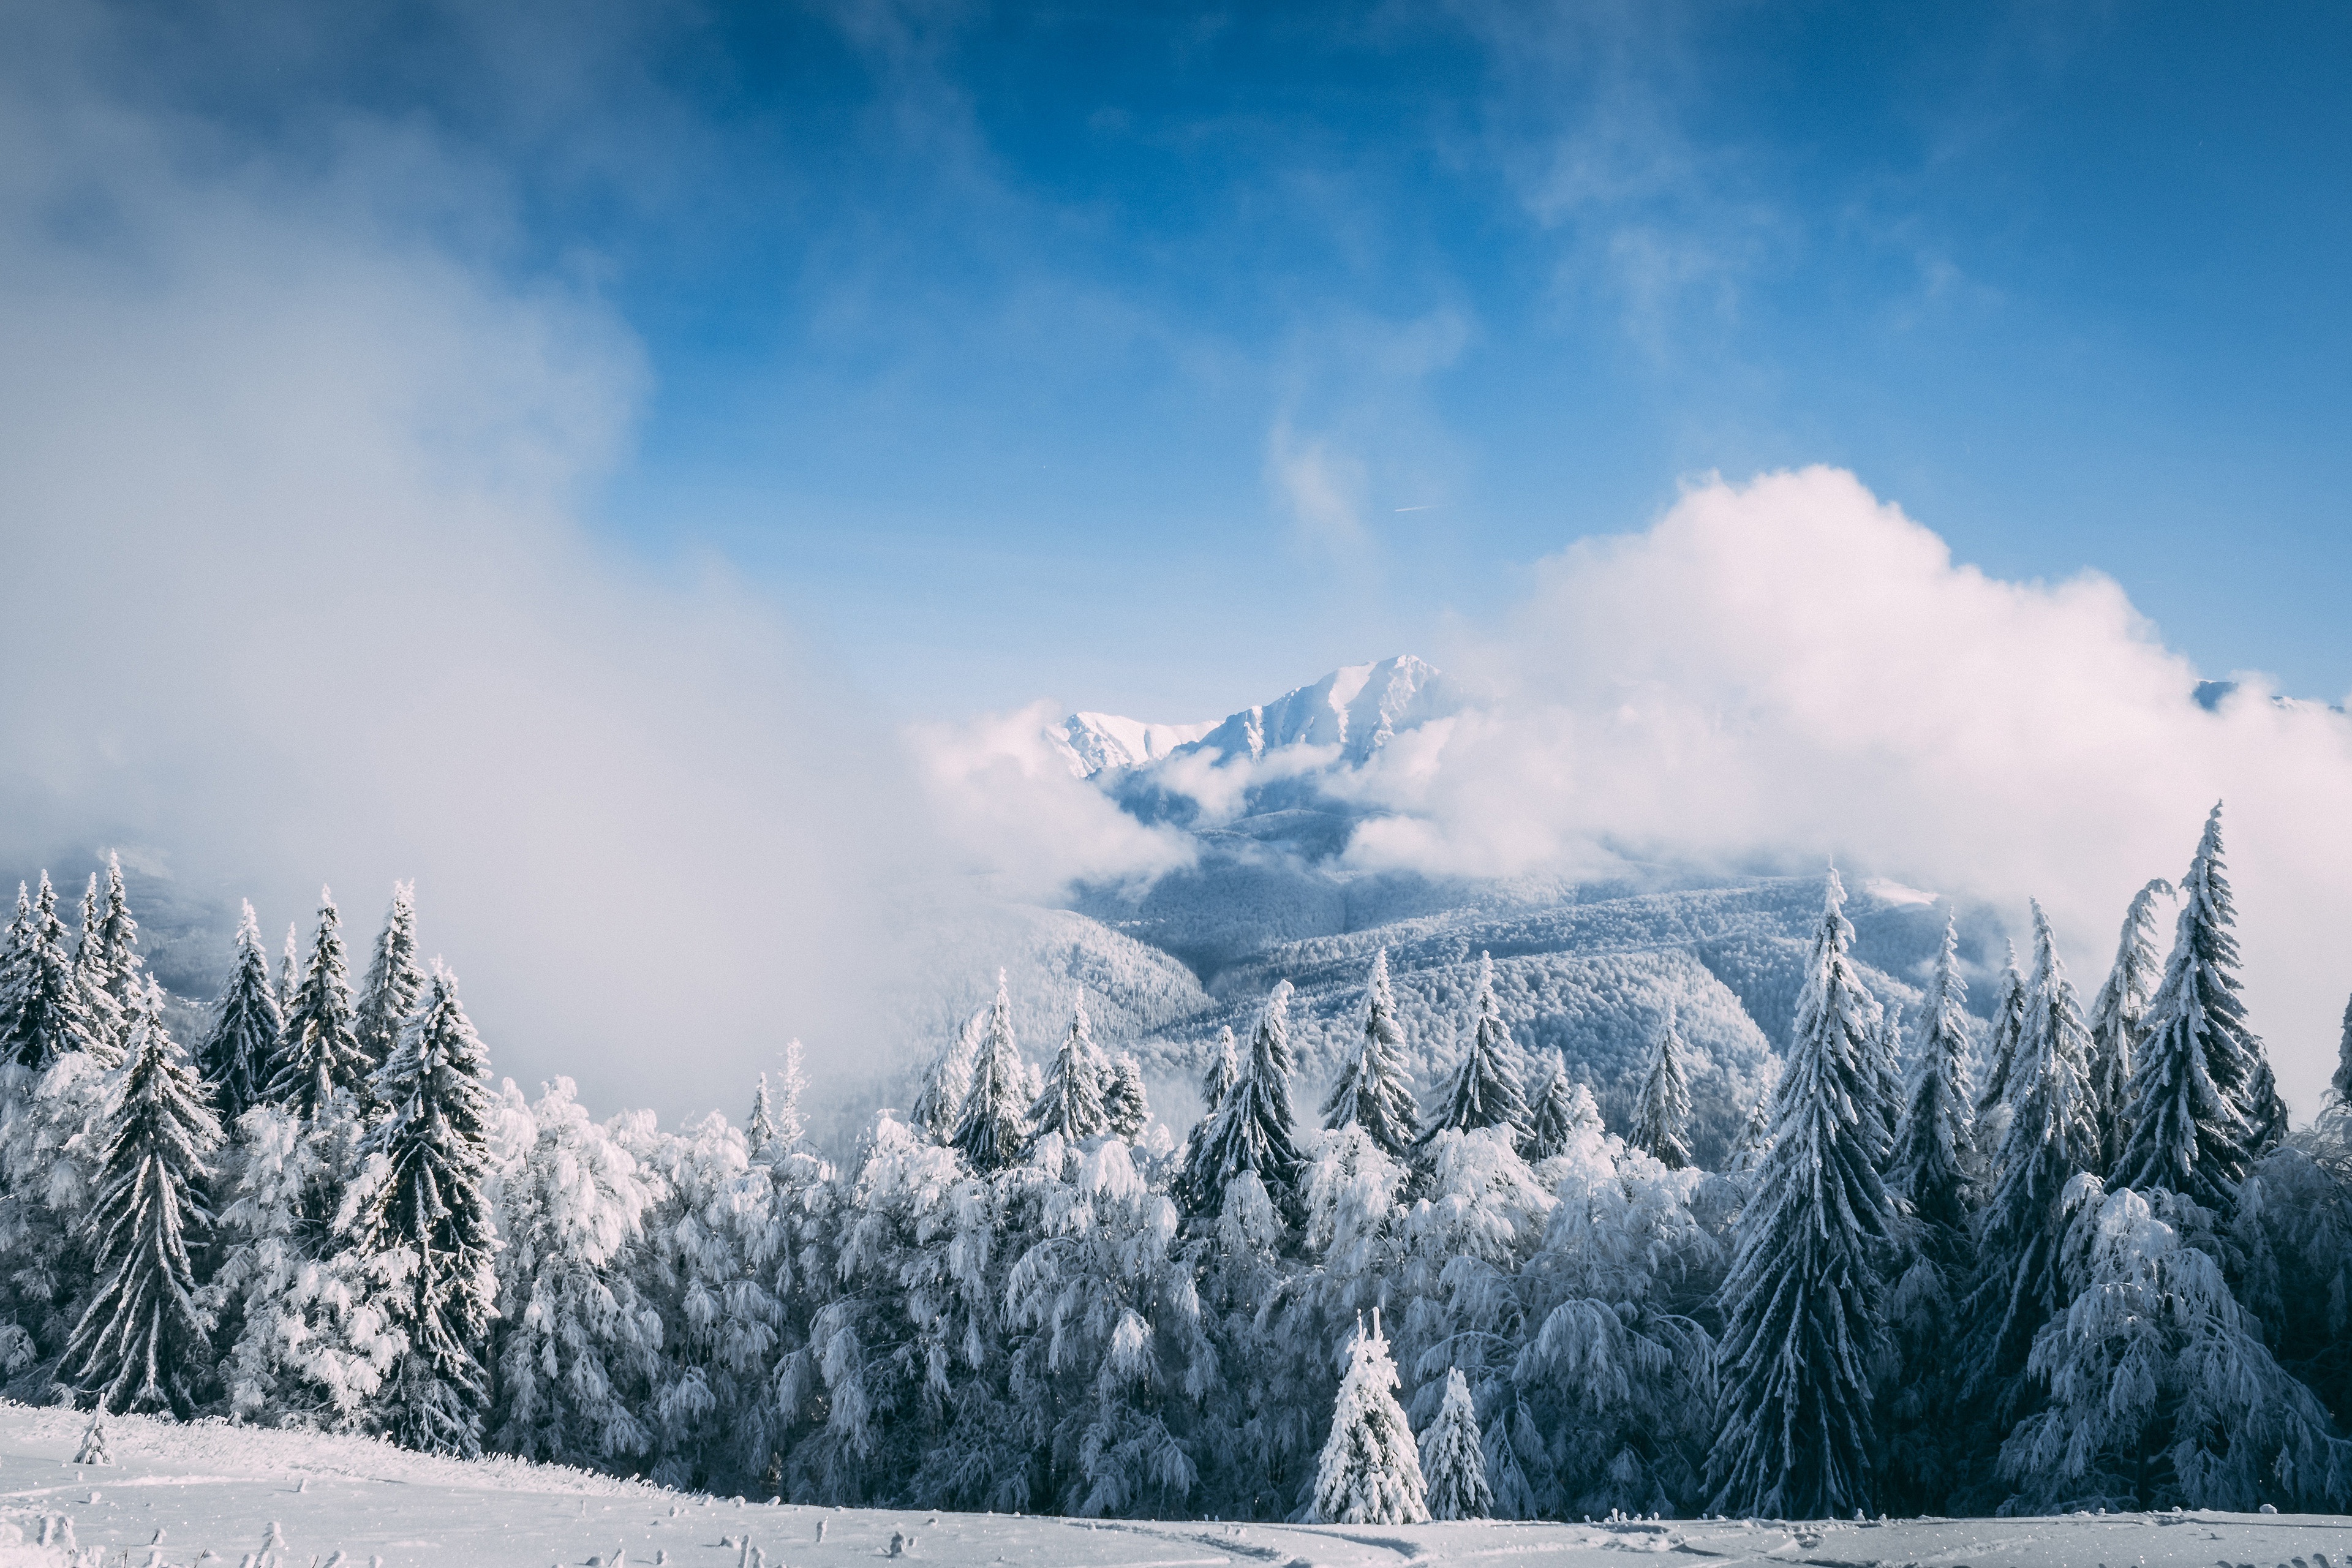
(214,1489)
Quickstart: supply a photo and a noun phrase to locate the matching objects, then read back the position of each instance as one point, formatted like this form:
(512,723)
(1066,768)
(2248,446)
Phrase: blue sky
(1156,358)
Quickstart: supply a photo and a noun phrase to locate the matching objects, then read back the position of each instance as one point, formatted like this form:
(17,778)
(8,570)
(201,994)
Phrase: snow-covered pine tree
(1931,1170)
(791,1122)
(1755,1142)
(760,1127)
(1224,1071)
(1452,1458)
(939,1104)
(2050,1138)
(15,945)
(2000,1051)
(2340,1085)
(1801,1304)
(236,1058)
(1551,1112)
(117,941)
(110,1023)
(290,969)
(143,1339)
(1886,1057)
(1072,1104)
(2118,1016)
(1662,1114)
(320,1053)
(1374,1091)
(44,1014)
(2195,1110)
(395,980)
(1371,1469)
(419,1219)
(1485,1090)
(994,1131)
(1251,1128)
(579,1351)
(1124,1100)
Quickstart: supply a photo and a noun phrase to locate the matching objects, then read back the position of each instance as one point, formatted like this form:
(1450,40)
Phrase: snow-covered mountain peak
(1357,708)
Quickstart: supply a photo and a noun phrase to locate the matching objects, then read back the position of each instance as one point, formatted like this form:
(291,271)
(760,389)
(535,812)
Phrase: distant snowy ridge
(1357,709)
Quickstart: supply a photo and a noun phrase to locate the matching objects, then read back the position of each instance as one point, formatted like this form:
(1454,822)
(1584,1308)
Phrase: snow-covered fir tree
(994,1130)
(237,1057)
(1800,1306)
(289,968)
(1661,1113)
(2340,1085)
(1371,1469)
(1755,1140)
(44,1014)
(118,942)
(16,943)
(1454,1456)
(939,1104)
(2118,1017)
(759,1127)
(420,1220)
(2051,1137)
(579,1351)
(395,980)
(785,1107)
(1485,1090)
(320,1054)
(1551,1110)
(142,1341)
(1072,1105)
(1223,1070)
(2196,1088)
(1350,1194)
(94,976)
(1125,1103)
(1251,1129)
(2161,1391)
(1373,1090)
(1887,1060)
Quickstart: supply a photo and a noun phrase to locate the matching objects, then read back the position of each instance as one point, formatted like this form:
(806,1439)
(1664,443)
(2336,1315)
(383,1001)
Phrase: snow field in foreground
(214,1491)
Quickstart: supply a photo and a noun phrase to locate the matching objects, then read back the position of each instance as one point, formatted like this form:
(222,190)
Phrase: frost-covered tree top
(141,1342)
(938,1105)
(1072,1103)
(118,939)
(1370,1472)
(2050,1138)
(237,1056)
(289,968)
(1551,1114)
(2000,1046)
(1662,1112)
(759,1127)
(1374,1091)
(109,1022)
(1934,1150)
(993,1132)
(1453,1460)
(1224,1070)
(1125,1103)
(2118,1017)
(320,1054)
(2197,1107)
(395,980)
(1485,1090)
(1251,1129)
(44,1014)
(1801,1303)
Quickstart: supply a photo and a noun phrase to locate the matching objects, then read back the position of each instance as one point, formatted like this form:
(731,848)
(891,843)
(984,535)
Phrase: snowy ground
(214,1492)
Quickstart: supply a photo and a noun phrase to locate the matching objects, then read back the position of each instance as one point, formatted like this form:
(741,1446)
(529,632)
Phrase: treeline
(2104,1275)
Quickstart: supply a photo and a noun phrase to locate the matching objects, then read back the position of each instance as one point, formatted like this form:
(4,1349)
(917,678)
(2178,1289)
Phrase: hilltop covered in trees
(2080,1265)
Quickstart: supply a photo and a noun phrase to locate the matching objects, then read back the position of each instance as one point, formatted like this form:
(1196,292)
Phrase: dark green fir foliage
(320,1054)
(1374,1091)
(1797,1437)
(142,1343)
(993,1132)
(395,980)
(1251,1129)
(1485,1090)
(2200,1068)
(236,1056)
(420,1218)
(44,1012)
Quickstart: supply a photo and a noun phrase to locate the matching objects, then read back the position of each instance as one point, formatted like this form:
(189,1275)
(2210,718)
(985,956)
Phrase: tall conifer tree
(2118,1017)
(1552,1111)
(2196,1106)
(44,1014)
(118,940)
(141,1342)
(1801,1304)
(993,1133)
(320,1053)
(1224,1071)
(1072,1104)
(94,977)
(237,1057)
(1374,1091)
(1371,1469)
(1125,1101)
(419,1217)
(939,1104)
(15,946)
(290,969)
(1251,1129)
(1934,1150)
(1485,1090)
(395,980)
(1662,1115)
(2000,1047)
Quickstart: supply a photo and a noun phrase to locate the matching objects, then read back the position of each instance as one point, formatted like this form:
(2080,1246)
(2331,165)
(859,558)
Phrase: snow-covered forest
(2083,1263)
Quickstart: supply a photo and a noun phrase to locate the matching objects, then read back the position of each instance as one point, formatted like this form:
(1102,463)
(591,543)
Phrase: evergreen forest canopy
(2084,1266)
